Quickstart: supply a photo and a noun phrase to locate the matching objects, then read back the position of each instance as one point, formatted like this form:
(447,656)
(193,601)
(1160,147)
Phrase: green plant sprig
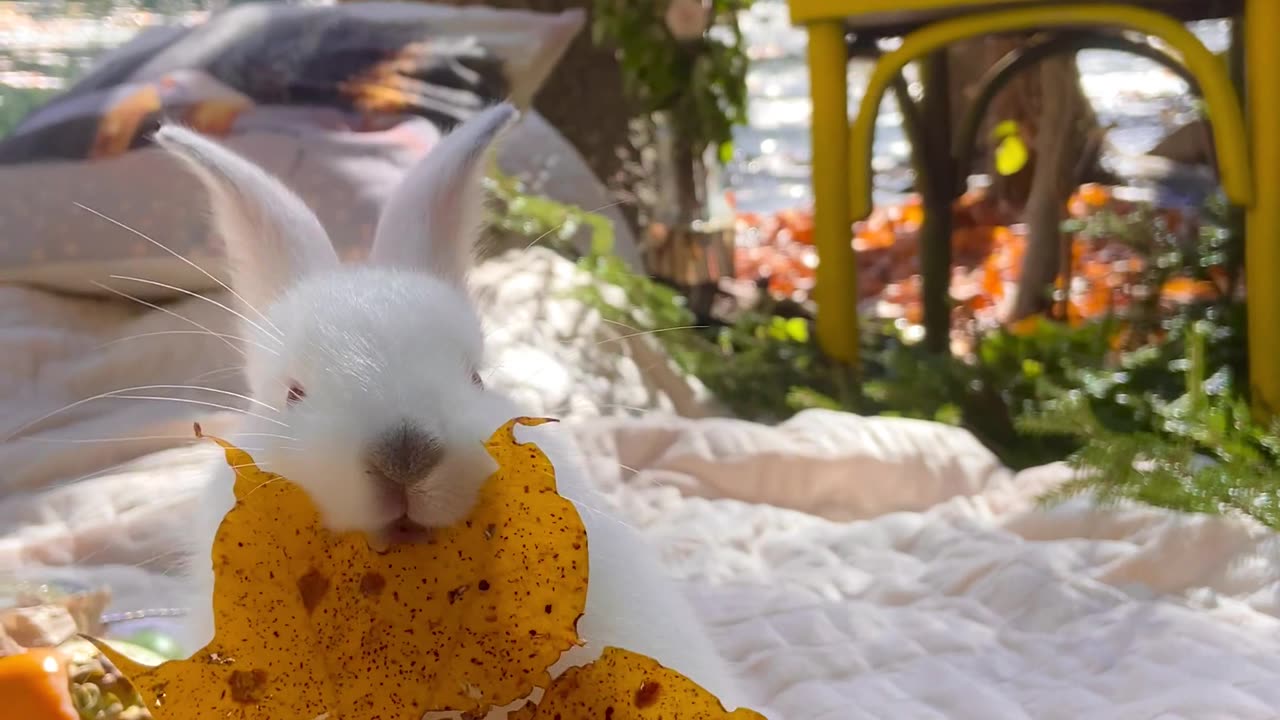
(701,82)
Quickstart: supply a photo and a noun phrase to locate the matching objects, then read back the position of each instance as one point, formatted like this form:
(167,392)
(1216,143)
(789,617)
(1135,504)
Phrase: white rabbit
(367,391)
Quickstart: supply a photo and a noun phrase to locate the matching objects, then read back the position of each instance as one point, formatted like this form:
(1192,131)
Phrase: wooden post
(937,189)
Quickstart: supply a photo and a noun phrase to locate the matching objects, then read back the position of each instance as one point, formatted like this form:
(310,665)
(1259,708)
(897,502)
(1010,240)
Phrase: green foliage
(702,82)
(762,367)
(1162,424)
(1201,452)
(986,394)
(17,103)
(542,219)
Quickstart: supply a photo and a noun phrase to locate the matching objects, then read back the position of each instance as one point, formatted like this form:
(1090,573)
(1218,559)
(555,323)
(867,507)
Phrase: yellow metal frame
(805,11)
(1220,97)
(836,287)
(1262,218)
(1248,153)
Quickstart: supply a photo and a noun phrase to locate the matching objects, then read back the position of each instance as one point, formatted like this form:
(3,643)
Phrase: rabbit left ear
(431,222)
(272,238)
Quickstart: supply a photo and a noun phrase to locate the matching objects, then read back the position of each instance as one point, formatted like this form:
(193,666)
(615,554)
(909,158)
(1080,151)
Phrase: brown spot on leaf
(372,584)
(312,587)
(648,694)
(248,686)
(456,594)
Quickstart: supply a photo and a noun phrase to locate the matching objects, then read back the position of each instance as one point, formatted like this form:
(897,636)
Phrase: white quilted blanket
(849,567)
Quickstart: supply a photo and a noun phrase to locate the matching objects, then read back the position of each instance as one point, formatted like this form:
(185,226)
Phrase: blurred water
(49,41)
(771,168)
(45,44)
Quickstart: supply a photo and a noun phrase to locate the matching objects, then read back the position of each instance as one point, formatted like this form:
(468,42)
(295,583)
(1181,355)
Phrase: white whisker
(145,438)
(270,435)
(84,559)
(245,465)
(198,296)
(565,407)
(200,403)
(140,336)
(215,391)
(557,228)
(260,486)
(642,333)
(169,312)
(649,481)
(607,516)
(219,371)
(199,269)
(90,441)
(154,558)
(113,393)
(620,324)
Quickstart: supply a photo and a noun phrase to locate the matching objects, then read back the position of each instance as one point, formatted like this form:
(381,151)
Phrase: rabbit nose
(405,454)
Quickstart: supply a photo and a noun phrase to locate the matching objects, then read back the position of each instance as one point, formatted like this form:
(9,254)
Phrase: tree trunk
(1067,128)
(1061,133)
(1019,101)
(584,99)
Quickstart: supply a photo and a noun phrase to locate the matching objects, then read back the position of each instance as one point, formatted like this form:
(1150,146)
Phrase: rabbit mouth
(401,531)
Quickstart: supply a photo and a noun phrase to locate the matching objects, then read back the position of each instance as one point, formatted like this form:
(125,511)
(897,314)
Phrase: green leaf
(949,414)
(1032,368)
(726,151)
(798,330)
(157,642)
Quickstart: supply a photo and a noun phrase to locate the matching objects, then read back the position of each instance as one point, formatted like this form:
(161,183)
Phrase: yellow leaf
(1004,129)
(623,685)
(311,623)
(1011,155)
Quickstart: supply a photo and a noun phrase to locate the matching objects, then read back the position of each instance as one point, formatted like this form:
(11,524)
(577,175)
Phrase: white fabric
(849,567)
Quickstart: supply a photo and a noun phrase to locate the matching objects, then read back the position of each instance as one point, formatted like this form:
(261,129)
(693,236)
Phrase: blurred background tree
(1062,136)
(584,98)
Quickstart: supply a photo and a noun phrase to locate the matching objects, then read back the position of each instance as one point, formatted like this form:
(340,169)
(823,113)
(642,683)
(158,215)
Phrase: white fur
(394,340)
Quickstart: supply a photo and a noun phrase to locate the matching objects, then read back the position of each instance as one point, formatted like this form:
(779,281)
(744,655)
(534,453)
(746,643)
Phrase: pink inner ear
(272,238)
(429,223)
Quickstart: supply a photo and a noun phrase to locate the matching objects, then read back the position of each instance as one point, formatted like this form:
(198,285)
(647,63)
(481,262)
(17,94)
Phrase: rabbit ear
(272,238)
(431,221)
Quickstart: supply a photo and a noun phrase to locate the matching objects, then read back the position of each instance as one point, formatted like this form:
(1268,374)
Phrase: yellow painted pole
(836,291)
(1262,217)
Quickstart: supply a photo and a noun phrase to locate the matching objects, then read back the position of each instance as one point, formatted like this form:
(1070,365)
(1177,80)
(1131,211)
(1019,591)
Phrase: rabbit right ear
(431,221)
(272,238)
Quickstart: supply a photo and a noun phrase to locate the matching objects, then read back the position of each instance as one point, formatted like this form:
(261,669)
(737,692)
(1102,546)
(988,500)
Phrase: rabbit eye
(296,393)
(475,380)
